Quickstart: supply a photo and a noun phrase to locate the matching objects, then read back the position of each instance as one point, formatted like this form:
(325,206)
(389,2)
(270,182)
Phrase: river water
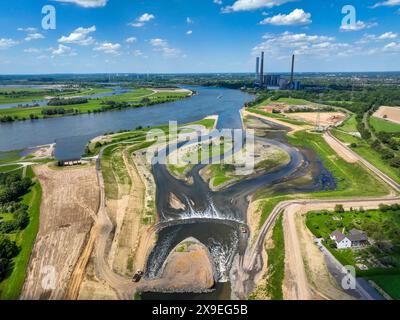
(214,218)
(72,133)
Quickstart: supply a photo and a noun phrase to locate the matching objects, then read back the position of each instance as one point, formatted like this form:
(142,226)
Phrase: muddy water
(219,216)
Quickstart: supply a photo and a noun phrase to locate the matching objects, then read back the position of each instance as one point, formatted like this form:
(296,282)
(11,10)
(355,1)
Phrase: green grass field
(9,168)
(381,125)
(350,125)
(389,283)
(276,264)
(351,179)
(40,94)
(96,104)
(11,287)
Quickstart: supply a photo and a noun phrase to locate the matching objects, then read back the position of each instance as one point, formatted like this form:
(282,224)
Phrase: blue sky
(167,36)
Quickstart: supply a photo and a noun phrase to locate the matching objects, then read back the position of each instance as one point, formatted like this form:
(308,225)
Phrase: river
(214,218)
(72,133)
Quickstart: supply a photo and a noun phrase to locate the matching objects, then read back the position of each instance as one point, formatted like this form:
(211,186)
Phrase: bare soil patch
(68,209)
(389,113)
(326,118)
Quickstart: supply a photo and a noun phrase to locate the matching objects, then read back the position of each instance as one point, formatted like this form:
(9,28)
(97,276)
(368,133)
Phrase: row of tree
(12,187)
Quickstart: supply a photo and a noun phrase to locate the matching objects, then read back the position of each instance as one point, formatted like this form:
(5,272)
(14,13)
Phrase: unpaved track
(70,200)
(341,150)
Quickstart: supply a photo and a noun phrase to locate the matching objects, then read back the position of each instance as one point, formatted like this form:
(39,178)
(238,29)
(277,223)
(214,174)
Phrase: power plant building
(274,81)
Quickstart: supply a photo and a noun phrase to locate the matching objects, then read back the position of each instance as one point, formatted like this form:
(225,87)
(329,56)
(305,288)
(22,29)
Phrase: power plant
(274,81)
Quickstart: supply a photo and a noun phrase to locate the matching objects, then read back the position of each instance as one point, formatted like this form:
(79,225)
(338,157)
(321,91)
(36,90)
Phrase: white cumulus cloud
(86,3)
(7,43)
(142,20)
(131,40)
(161,45)
(79,36)
(108,47)
(295,18)
(392,47)
(34,36)
(359,25)
(388,3)
(62,50)
(248,5)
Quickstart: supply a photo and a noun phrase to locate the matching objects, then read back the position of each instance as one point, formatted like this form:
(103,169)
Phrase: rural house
(355,238)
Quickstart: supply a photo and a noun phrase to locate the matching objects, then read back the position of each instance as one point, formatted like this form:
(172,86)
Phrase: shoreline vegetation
(71,106)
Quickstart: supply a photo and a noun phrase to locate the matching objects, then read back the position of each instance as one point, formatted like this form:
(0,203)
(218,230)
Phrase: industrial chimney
(262,69)
(257,67)
(292,74)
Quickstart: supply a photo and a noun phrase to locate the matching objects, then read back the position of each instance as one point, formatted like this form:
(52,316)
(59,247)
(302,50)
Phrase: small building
(355,238)
(70,162)
(342,242)
(358,238)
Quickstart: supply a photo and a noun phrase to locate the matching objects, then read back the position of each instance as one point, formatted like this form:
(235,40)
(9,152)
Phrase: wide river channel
(214,218)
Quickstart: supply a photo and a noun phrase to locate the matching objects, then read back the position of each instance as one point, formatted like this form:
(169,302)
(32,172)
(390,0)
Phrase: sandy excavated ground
(389,113)
(187,267)
(45,151)
(69,205)
(261,278)
(326,118)
(132,240)
(253,218)
(262,152)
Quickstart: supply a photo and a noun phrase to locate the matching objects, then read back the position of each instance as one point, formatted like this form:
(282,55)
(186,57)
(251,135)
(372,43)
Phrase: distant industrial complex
(274,81)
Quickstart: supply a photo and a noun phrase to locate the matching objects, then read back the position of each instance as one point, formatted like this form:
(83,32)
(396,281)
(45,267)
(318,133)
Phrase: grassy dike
(276,265)
(363,149)
(11,287)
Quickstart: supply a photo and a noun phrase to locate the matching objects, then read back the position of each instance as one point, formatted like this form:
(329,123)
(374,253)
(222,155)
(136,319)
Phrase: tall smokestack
(257,67)
(292,74)
(262,69)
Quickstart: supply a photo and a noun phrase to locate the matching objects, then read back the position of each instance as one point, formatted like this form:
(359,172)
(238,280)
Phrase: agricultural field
(388,113)
(383,125)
